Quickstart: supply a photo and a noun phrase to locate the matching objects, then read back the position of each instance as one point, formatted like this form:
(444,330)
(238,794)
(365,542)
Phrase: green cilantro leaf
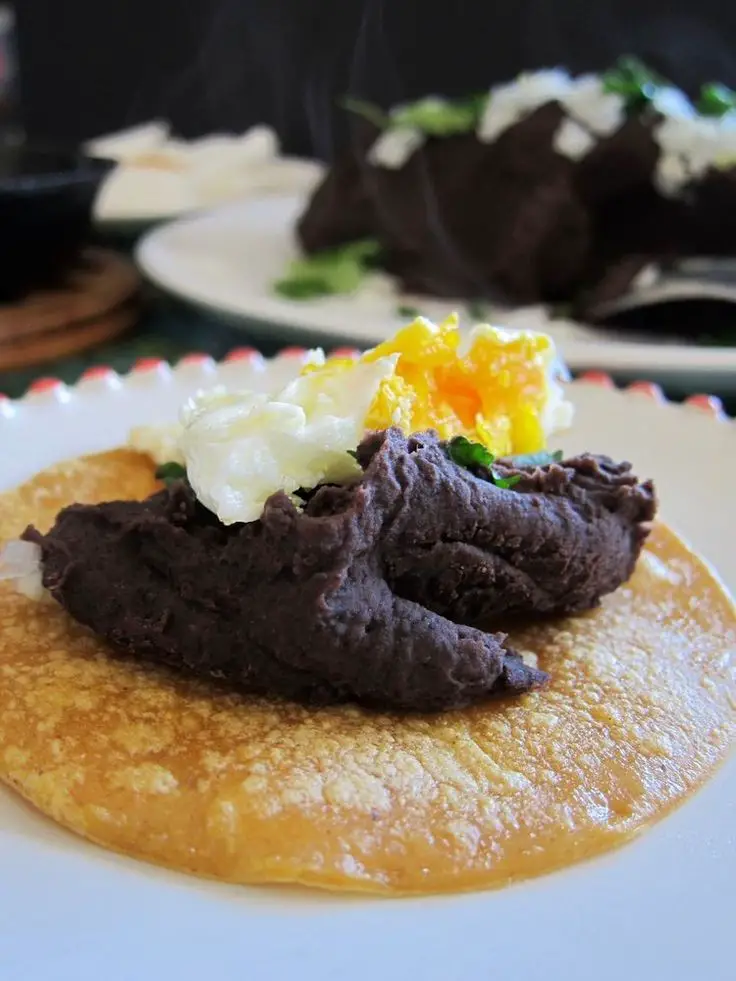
(170,472)
(362,250)
(506,482)
(470,455)
(716,100)
(467,454)
(634,82)
(431,115)
(542,459)
(411,313)
(477,310)
(440,117)
(328,273)
(303,287)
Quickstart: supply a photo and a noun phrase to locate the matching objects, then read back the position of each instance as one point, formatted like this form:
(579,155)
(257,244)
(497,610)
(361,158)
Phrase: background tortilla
(641,708)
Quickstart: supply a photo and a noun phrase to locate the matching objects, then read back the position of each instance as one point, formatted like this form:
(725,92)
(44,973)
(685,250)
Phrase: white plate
(227,260)
(660,909)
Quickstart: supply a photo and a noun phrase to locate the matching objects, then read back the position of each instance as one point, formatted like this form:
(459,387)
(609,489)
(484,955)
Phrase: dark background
(93,66)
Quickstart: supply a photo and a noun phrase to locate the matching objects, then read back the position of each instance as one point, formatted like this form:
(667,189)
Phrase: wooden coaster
(97,303)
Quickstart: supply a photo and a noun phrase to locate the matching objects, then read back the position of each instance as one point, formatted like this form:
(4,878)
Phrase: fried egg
(495,387)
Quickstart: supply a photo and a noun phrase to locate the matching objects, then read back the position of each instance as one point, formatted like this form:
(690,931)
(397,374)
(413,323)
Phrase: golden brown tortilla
(640,710)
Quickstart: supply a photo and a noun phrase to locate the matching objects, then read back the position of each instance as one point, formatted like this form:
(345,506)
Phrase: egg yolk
(494,393)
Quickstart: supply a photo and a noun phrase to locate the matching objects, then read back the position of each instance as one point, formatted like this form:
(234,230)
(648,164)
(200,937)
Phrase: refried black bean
(374,592)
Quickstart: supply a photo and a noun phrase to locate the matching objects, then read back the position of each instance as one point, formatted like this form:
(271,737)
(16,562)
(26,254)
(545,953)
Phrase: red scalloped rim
(706,403)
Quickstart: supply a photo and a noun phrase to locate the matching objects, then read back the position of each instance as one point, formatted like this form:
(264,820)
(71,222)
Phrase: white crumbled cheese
(506,113)
(394,147)
(509,103)
(21,562)
(673,103)
(589,104)
(241,447)
(572,140)
(726,149)
(689,146)
(530,659)
(671,175)
(592,112)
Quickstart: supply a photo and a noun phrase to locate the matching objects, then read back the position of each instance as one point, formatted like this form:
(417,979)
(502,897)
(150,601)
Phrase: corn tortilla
(641,708)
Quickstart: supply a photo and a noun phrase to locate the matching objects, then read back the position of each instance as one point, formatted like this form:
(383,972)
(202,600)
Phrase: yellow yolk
(497,389)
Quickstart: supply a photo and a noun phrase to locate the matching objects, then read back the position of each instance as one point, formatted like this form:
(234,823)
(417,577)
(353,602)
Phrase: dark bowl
(46,201)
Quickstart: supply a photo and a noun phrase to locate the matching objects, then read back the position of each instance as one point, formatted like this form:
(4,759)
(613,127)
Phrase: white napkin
(161,177)
(129,142)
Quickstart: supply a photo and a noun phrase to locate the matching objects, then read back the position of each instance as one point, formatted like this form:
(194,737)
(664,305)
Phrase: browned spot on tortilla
(641,709)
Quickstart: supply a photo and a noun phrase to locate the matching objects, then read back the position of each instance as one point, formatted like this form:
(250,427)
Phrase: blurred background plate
(158,177)
(226,261)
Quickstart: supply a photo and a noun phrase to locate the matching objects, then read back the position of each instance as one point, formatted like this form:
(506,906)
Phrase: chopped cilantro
(408,312)
(353,454)
(477,310)
(716,100)
(643,89)
(542,459)
(440,117)
(304,287)
(432,115)
(171,472)
(506,482)
(634,82)
(469,455)
(329,273)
